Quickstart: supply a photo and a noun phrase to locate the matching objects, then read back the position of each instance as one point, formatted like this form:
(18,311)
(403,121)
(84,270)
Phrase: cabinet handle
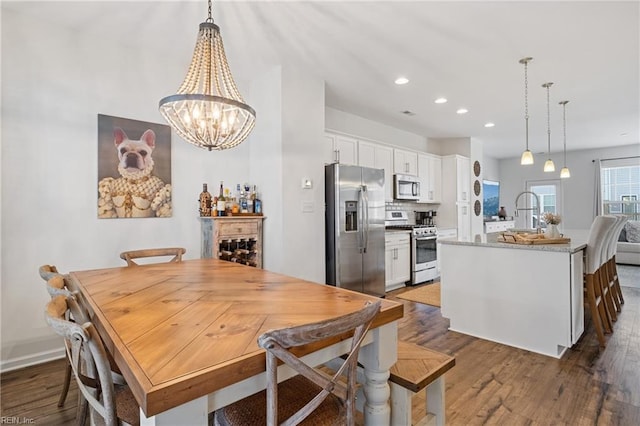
(431,195)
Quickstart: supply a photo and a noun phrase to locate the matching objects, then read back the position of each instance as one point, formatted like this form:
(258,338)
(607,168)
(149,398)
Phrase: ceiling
(467,52)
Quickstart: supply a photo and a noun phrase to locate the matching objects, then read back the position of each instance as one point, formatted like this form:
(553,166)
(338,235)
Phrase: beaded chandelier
(208,110)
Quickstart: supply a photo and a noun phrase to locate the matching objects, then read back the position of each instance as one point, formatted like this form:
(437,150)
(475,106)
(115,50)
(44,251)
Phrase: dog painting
(134,167)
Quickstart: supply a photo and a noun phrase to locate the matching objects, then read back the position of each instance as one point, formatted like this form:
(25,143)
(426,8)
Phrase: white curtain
(597,197)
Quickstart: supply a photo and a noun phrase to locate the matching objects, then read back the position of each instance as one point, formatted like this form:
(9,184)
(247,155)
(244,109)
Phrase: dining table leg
(190,413)
(377,358)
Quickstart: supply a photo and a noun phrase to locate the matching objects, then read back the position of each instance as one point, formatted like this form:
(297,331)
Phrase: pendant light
(564,172)
(527,156)
(548,165)
(208,110)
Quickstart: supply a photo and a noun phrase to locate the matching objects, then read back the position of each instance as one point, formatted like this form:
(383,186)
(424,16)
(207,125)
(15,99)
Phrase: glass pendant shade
(549,166)
(208,110)
(564,173)
(527,158)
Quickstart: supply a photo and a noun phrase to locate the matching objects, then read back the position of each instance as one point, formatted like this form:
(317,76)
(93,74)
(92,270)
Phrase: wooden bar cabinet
(232,238)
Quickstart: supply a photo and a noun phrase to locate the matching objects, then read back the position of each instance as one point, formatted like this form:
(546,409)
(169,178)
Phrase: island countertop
(578,242)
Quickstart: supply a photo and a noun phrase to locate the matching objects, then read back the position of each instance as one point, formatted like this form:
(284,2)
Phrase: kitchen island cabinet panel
(529,297)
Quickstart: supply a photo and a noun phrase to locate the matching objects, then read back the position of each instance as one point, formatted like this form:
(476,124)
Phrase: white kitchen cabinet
(463,179)
(397,259)
(455,208)
(379,157)
(405,162)
(430,174)
(342,149)
(499,226)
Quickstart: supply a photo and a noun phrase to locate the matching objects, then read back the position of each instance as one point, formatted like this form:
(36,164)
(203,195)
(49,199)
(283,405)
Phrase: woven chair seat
(293,394)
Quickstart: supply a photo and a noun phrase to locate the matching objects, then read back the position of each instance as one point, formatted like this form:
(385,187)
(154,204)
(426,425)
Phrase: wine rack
(232,238)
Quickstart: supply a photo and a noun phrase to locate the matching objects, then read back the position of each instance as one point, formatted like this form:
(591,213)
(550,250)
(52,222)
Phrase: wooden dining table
(185,334)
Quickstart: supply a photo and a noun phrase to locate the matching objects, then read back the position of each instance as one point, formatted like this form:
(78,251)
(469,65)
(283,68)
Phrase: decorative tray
(530,239)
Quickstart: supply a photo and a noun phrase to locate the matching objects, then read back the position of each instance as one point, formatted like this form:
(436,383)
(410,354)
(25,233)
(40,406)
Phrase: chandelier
(548,165)
(564,172)
(527,156)
(208,110)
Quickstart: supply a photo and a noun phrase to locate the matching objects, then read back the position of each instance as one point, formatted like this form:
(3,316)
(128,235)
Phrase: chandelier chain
(209,18)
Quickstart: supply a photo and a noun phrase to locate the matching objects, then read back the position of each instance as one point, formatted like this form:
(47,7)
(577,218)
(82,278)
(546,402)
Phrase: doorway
(549,193)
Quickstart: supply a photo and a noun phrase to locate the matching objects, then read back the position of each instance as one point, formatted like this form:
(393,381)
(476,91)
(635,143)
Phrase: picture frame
(134,168)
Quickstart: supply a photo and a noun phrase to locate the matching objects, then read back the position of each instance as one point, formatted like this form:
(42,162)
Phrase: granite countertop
(578,242)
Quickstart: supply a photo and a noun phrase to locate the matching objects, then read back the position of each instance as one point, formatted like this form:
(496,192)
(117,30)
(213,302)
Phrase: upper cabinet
(405,162)
(341,149)
(430,174)
(456,179)
(379,157)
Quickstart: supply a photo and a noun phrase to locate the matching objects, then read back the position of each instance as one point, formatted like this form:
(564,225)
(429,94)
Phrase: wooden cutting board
(511,239)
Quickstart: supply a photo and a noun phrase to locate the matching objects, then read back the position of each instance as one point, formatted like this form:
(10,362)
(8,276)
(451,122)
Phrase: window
(620,187)
(549,193)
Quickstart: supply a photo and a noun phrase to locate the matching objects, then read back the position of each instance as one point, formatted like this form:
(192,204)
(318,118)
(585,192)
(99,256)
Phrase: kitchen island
(526,296)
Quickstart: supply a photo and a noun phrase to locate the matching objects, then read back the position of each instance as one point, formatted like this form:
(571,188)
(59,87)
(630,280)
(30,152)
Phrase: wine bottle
(221,206)
(205,202)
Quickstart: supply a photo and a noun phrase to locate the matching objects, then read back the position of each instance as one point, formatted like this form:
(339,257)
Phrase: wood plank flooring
(491,383)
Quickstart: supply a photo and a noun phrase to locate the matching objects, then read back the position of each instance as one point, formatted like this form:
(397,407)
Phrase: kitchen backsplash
(411,208)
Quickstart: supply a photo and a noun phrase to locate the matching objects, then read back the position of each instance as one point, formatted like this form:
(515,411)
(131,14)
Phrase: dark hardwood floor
(490,384)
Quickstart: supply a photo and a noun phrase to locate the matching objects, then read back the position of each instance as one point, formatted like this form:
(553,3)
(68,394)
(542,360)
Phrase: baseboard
(32,359)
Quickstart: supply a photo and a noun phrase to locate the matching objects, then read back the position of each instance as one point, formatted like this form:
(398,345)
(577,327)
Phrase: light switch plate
(307,206)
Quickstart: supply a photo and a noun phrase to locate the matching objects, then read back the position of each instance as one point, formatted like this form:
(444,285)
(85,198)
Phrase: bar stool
(594,275)
(612,269)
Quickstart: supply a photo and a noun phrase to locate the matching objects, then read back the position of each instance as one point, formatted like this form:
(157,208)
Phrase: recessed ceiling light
(409,113)
(401,80)
(462,111)
(489,125)
(623,134)
(441,100)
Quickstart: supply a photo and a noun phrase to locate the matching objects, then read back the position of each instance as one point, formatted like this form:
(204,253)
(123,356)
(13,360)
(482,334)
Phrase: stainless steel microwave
(406,187)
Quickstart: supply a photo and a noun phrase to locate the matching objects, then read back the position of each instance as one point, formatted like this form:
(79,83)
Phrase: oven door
(423,253)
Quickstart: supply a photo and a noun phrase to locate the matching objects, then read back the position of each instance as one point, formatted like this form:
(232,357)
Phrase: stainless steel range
(423,246)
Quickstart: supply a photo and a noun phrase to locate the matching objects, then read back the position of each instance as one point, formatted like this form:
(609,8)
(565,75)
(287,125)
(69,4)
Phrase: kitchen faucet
(538,227)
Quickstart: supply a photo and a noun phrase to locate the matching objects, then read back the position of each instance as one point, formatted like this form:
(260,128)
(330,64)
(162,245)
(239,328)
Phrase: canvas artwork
(134,168)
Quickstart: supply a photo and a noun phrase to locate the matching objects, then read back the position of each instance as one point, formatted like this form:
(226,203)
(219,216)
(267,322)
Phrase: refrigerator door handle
(365,231)
(360,220)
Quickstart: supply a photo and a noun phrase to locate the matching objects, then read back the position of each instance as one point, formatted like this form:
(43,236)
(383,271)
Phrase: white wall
(577,191)
(357,126)
(55,83)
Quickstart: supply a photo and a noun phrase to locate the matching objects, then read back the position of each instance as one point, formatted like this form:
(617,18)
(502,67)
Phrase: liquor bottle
(257,202)
(227,202)
(221,206)
(214,206)
(205,202)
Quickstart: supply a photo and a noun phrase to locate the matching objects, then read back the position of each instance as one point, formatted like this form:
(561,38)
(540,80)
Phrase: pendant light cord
(526,103)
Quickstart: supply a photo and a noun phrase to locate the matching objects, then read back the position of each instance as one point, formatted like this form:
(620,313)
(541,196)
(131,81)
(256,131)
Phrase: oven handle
(425,238)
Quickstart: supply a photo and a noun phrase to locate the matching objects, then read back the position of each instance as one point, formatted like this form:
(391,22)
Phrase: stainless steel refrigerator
(354,226)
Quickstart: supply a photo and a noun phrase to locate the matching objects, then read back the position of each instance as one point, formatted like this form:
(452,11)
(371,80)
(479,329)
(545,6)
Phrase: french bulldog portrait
(137,192)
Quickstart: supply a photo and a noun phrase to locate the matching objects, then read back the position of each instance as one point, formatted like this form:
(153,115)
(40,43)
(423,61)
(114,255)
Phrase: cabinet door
(402,271)
(405,162)
(329,154)
(347,149)
(379,157)
(425,178)
(435,179)
(463,179)
(464,221)
(389,259)
(430,173)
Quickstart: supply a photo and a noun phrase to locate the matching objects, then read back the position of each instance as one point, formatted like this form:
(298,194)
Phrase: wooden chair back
(48,271)
(129,256)
(88,358)
(279,342)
